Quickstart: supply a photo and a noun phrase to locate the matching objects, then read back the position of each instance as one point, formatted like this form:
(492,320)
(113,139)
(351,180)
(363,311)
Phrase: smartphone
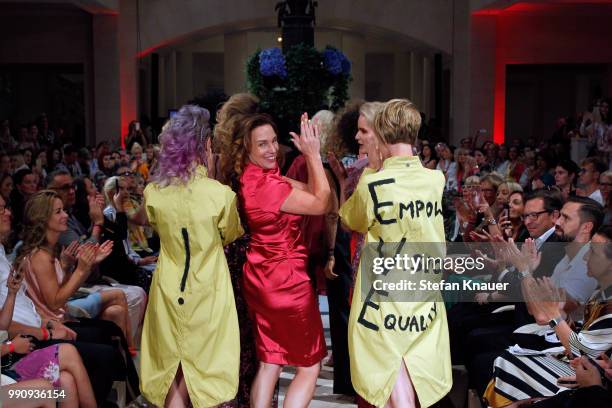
(16,273)
(137,125)
(476,199)
(117,186)
(506,210)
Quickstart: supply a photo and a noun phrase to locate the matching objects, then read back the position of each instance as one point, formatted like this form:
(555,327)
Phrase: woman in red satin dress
(278,291)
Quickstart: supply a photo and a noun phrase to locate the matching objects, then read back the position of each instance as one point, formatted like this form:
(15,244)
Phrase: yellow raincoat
(191,317)
(402,201)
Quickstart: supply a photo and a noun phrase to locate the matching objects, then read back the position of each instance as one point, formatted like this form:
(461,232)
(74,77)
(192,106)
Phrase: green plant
(302,80)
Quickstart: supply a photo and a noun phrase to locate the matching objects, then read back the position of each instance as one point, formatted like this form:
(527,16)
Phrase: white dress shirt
(571,275)
(25,311)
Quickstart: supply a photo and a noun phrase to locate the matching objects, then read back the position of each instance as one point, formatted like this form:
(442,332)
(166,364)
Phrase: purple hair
(183,146)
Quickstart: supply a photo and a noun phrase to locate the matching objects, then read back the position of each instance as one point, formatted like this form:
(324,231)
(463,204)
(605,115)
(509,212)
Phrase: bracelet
(330,252)
(491,221)
(45,333)
(11,347)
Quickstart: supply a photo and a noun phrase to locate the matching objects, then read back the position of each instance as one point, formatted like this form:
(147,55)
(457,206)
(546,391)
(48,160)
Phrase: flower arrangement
(302,79)
(336,62)
(272,62)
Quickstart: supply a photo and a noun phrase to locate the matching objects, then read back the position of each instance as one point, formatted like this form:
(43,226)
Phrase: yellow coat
(382,207)
(191,317)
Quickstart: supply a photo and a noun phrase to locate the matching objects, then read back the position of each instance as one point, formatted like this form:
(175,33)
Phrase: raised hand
(103,251)
(546,301)
(506,226)
(95,211)
(14,281)
(68,256)
(119,199)
(307,142)
(530,254)
(87,257)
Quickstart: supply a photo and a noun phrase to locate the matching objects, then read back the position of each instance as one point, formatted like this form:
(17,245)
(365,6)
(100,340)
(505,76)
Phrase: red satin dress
(277,289)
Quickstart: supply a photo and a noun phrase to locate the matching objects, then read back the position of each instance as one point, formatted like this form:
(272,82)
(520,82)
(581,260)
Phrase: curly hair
(36,215)
(342,140)
(183,146)
(229,134)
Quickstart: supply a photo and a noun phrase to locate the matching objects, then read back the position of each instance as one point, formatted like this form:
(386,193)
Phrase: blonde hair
(460,150)
(512,186)
(36,215)
(472,181)
(325,121)
(369,111)
(398,121)
(109,189)
(494,178)
(135,147)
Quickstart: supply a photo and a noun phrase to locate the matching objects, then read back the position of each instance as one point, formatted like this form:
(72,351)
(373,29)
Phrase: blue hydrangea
(272,62)
(336,62)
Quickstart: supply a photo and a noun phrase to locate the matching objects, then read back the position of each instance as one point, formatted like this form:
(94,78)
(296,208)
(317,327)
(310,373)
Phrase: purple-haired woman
(190,339)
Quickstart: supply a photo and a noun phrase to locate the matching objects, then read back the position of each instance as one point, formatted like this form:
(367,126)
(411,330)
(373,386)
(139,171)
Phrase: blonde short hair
(472,181)
(369,110)
(325,120)
(398,121)
(512,186)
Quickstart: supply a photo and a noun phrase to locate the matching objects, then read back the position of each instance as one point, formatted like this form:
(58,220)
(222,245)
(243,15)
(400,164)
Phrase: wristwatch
(525,273)
(555,322)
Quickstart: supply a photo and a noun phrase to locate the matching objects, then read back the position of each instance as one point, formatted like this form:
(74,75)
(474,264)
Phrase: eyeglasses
(126,174)
(66,187)
(3,208)
(534,215)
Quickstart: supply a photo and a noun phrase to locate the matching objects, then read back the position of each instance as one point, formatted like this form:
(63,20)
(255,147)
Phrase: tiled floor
(324,396)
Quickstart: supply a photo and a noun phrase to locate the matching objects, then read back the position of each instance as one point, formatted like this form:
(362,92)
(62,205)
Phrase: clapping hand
(95,210)
(68,256)
(527,258)
(307,142)
(103,251)
(545,300)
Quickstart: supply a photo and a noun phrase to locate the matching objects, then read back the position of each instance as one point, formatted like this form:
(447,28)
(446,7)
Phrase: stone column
(460,103)
(107,121)
(128,68)
(184,77)
(235,55)
(354,49)
(416,79)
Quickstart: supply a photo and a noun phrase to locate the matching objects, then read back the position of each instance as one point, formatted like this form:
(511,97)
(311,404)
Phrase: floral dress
(42,363)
